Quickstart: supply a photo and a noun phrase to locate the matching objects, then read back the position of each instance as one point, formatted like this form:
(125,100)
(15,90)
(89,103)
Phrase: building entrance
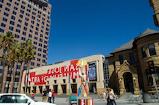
(63,88)
(92,87)
(55,88)
(41,89)
(128,82)
(74,88)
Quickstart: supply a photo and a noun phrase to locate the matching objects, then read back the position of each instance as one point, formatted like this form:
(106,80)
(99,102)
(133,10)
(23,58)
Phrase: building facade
(135,65)
(27,19)
(63,77)
(155,5)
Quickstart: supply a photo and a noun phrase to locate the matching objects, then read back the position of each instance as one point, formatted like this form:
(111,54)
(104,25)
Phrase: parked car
(19,99)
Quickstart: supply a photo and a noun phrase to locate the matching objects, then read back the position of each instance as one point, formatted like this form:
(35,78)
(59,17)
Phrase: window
(38,59)
(31,30)
(29,6)
(1,6)
(148,50)
(45,46)
(3,25)
(28,10)
(39,49)
(22,7)
(44,56)
(14,12)
(27,14)
(41,40)
(17,36)
(32,63)
(74,80)
(21,16)
(27,19)
(18,25)
(64,80)
(44,51)
(36,33)
(40,44)
(1,1)
(13,99)
(23,2)
(21,11)
(23,38)
(44,61)
(4,19)
(16,3)
(132,58)
(19,21)
(11,28)
(1,30)
(121,59)
(7,9)
(15,8)
(39,54)
(9,4)
(152,50)
(24,33)
(13,17)
(38,64)
(26,23)
(30,35)
(11,22)
(6,14)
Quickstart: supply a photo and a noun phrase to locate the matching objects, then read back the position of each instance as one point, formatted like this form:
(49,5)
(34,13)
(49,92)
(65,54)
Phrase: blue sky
(86,27)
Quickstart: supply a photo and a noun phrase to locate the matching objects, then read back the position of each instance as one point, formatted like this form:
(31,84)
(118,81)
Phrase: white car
(19,99)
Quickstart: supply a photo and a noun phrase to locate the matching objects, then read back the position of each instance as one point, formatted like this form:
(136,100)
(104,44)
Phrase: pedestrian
(53,96)
(44,96)
(111,97)
(49,96)
(104,95)
(33,94)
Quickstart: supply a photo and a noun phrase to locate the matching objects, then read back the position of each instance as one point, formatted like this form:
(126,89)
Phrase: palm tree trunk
(27,74)
(4,74)
(21,76)
(13,68)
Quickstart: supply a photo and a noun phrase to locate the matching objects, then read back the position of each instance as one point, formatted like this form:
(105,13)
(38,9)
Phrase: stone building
(155,5)
(135,65)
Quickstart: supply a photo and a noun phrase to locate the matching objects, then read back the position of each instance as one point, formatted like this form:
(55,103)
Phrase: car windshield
(13,99)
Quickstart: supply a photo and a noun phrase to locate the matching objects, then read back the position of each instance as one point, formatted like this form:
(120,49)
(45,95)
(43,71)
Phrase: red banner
(70,70)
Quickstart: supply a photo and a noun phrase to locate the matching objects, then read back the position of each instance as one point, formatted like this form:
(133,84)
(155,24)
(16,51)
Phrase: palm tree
(27,55)
(14,53)
(6,41)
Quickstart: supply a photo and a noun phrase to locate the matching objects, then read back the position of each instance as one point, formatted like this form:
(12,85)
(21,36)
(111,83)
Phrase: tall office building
(27,19)
(155,6)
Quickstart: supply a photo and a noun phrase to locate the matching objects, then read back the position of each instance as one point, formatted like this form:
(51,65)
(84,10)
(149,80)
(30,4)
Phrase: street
(64,101)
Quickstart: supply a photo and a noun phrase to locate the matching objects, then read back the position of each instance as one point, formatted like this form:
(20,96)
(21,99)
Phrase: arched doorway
(128,82)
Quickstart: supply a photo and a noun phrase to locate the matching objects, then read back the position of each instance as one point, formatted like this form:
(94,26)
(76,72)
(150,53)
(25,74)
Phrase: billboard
(92,72)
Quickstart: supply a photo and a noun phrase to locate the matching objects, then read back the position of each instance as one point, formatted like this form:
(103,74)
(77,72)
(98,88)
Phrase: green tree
(6,41)
(14,53)
(27,54)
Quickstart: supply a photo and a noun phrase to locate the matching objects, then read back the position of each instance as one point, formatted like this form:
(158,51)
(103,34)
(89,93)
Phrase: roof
(147,32)
(129,44)
(125,46)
